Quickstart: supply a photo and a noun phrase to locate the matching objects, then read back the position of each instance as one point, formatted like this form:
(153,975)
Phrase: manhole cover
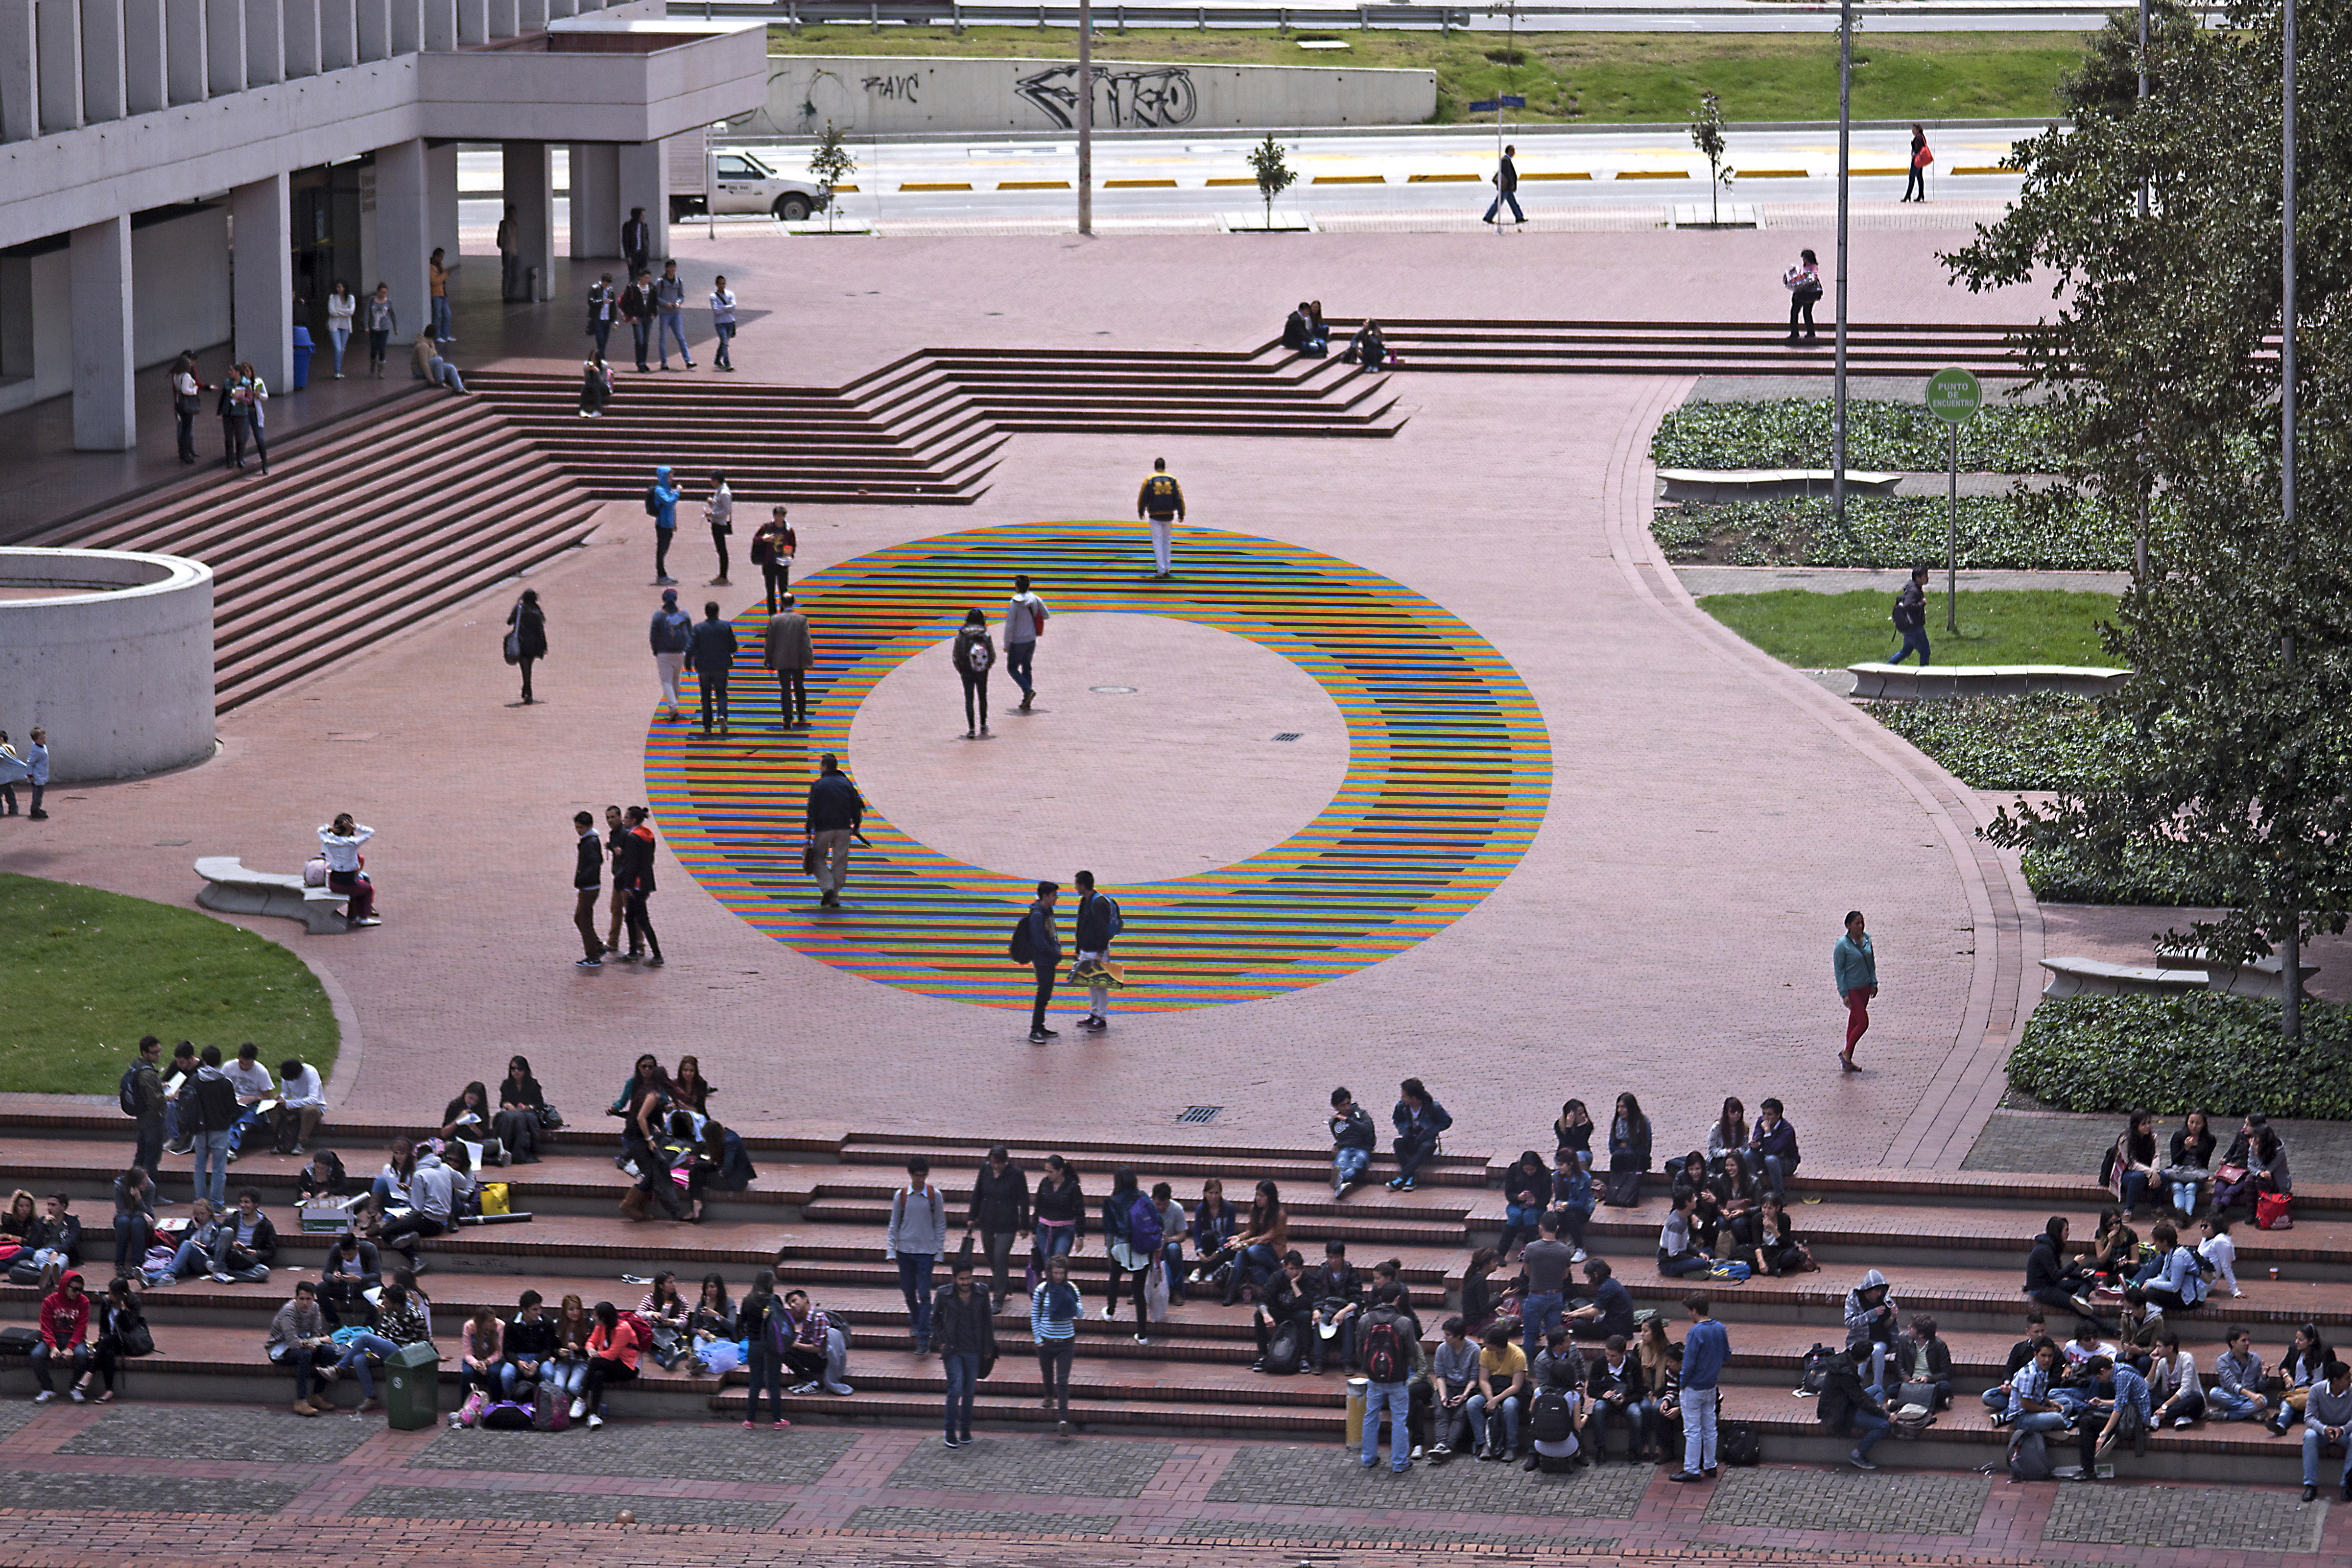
(1199,1114)
(1113,691)
(1291,735)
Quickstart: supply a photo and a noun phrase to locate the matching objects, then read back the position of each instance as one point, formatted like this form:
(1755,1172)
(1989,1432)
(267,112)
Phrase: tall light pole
(1085,117)
(2291,949)
(2139,540)
(1845,149)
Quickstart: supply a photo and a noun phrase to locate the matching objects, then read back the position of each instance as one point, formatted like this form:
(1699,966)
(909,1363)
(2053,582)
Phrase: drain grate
(1197,1114)
(1291,735)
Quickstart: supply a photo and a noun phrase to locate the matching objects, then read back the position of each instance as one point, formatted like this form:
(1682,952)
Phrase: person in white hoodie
(919,1231)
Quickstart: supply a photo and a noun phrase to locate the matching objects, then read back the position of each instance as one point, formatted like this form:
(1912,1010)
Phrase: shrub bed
(2058,875)
(2005,438)
(2044,740)
(1996,532)
(2177,1054)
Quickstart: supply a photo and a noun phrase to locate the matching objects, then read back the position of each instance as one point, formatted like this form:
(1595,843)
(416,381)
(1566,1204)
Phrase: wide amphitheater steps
(372,524)
(1689,348)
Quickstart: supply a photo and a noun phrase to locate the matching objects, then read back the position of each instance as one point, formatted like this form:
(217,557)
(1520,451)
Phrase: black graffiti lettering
(1164,96)
(894,86)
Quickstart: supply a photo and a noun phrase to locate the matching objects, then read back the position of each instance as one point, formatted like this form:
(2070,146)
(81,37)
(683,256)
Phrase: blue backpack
(1143,1231)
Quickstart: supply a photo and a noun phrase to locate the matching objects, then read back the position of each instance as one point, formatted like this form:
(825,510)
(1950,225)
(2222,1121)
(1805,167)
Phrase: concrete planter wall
(119,669)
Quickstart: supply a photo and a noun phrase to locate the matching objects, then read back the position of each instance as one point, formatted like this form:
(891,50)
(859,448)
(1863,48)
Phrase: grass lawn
(1829,631)
(1583,77)
(88,973)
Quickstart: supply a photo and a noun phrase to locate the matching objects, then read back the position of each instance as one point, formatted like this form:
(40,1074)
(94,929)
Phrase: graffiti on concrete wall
(1161,95)
(893,87)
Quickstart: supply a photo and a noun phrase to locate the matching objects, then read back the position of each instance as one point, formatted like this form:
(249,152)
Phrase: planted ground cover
(1794,433)
(1996,532)
(2042,740)
(2175,1054)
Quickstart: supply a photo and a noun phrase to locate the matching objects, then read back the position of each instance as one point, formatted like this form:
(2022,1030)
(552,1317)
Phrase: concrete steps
(1688,348)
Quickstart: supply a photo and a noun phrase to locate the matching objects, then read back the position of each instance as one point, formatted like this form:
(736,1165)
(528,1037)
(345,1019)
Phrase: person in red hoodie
(65,1331)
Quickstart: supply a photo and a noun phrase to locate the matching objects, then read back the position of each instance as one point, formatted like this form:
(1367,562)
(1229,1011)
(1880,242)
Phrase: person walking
(711,653)
(1045,957)
(527,637)
(255,393)
(634,876)
(1025,623)
(187,402)
(722,322)
(1160,502)
(637,241)
(1099,921)
(638,306)
(669,300)
(1915,188)
(918,1234)
(340,841)
(587,888)
(999,1210)
(616,836)
(1506,189)
(964,1327)
(835,813)
(661,505)
(1855,968)
(438,278)
(509,258)
(974,656)
(381,321)
(1705,1350)
(342,305)
(772,548)
(1054,1309)
(671,634)
(1803,283)
(603,309)
(1911,616)
(718,511)
(788,649)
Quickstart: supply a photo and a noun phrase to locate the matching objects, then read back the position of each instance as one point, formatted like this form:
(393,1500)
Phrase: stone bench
(232,890)
(2091,977)
(2263,978)
(1944,682)
(1751,484)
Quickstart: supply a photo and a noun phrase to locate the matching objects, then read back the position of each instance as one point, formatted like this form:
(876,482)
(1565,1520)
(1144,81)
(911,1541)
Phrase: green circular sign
(1954,396)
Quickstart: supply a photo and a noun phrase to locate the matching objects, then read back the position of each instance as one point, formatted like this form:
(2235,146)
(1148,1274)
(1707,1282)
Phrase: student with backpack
(140,1095)
(918,1235)
(974,656)
(1387,1358)
(2032,1412)
(1132,1239)
(661,505)
(1099,921)
(671,634)
(1910,617)
(1279,1320)
(1036,944)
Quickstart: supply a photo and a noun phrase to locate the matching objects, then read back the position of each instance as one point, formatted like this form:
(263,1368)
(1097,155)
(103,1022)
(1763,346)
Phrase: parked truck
(736,180)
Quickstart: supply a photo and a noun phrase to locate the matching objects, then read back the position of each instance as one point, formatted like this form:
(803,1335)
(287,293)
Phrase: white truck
(737,180)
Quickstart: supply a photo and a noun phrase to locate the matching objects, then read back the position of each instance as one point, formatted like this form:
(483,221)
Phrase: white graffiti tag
(1162,96)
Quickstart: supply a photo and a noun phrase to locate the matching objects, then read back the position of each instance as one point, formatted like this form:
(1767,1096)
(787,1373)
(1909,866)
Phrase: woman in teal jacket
(1857,982)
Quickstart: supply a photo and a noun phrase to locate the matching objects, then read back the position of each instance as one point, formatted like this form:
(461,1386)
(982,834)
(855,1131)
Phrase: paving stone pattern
(2186,1517)
(116,1493)
(18,1415)
(2055,1141)
(1253,1529)
(994,1465)
(667,1452)
(560,1508)
(984,1521)
(1888,1503)
(231,1436)
(1331,1477)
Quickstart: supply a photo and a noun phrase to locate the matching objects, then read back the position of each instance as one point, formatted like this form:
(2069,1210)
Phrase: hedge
(2044,740)
(2057,875)
(2005,438)
(2176,1054)
(1995,532)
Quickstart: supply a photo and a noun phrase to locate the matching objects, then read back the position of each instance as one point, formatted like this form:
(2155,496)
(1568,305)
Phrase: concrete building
(180,173)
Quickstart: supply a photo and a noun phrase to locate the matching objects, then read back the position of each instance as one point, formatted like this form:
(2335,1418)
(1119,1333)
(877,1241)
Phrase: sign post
(1954,397)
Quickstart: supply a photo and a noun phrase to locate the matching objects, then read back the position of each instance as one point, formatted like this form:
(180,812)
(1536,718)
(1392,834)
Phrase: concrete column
(263,291)
(505,18)
(265,43)
(60,49)
(403,25)
(402,234)
(302,23)
(440,25)
(441,201)
(529,180)
(184,50)
(105,410)
(643,180)
(338,36)
(102,60)
(146,86)
(20,92)
(371,30)
(559,8)
(223,47)
(473,22)
(595,200)
(532,16)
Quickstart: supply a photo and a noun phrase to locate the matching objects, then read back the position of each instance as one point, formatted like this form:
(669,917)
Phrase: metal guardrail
(1322,16)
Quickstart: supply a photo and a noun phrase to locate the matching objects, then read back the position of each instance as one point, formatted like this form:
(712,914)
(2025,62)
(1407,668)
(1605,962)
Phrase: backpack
(551,1409)
(1737,1445)
(470,1413)
(1117,921)
(2270,1212)
(2029,1460)
(1282,1350)
(1384,1350)
(653,502)
(1548,1420)
(507,1415)
(127,1092)
(1817,1365)
(1021,948)
(1144,1234)
(979,656)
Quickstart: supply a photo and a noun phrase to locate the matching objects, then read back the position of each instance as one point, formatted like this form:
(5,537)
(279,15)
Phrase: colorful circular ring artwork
(1448,773)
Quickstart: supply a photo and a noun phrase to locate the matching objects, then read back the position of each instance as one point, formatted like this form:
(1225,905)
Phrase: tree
(1706,135)
(832,162)
(2234,760)
(1274,175)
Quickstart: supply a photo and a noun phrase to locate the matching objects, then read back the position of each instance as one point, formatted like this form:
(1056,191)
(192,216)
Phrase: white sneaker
(579,1408)
(45,1397)
(594,1422)
(1577,1256)
(1110,1313)
(76,1393)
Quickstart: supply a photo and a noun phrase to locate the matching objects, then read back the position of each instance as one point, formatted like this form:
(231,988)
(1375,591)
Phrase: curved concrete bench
(232,890)
(1750,484)
(2263,978)
(1909,683)
(2091,977)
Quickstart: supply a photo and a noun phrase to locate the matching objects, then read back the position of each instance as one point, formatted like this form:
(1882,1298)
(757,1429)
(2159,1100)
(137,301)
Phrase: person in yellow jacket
(1160,502)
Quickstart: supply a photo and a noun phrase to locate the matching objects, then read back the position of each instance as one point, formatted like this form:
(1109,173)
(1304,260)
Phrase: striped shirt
(1045,1323)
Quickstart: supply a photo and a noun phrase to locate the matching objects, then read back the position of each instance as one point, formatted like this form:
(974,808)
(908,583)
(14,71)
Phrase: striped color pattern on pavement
(1449,771)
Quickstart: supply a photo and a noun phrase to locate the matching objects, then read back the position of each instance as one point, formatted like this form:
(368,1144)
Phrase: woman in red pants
(1857,982)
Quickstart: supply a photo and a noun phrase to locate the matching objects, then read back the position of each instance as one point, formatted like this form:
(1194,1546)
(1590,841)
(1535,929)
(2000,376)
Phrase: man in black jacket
(1845,1403)
(56,1237)
(836,813)
(1044,958)
(351,1269)
(710,650)
(529,1345)
(637,307)
(999,1209)
(1099,921)
(587,888)
(1337,1292)
(963,1328)
(1281,1299)
(634,874)
(637,247)
(1506,189)
(1911,616)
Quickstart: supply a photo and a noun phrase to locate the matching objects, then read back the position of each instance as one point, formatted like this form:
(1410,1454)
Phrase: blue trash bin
(303,349)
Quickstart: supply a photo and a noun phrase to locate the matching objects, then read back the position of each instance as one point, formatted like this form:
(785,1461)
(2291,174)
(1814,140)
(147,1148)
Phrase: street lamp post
(1085,117)
(1845,133)
(2290,949)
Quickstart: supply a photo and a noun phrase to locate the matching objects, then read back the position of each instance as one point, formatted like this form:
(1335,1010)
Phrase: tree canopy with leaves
(2161,363)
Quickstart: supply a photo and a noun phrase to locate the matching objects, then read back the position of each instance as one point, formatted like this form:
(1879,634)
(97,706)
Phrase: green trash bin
(412,1393)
